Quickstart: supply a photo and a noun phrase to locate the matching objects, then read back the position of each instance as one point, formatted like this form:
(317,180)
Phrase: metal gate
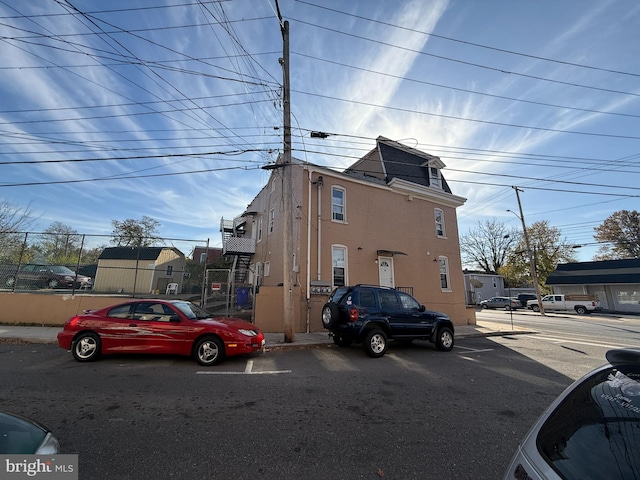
(224,297)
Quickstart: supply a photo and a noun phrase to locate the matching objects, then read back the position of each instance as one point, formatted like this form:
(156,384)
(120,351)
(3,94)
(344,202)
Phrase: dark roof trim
(607,272)
(131,253)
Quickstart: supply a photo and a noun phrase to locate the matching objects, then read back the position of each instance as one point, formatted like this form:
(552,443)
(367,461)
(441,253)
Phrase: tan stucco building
(389,219)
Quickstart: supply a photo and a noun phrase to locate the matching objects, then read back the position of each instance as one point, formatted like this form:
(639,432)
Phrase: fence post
(203,297)
(22,250)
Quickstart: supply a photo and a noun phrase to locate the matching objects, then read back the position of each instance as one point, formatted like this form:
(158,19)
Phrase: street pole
(285,161)
(532,263)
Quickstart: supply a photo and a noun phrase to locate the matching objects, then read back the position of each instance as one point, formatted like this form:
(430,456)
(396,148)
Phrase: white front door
(385,266)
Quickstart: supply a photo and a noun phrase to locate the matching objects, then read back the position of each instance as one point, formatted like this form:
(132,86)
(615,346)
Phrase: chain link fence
(62,263)
(81,263)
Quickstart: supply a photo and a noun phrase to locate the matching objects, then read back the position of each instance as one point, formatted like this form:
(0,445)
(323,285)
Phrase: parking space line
(559,341)
(474,350)
(247,371)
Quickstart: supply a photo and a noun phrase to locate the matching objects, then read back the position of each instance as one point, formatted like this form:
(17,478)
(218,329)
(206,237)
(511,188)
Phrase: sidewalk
(275,341)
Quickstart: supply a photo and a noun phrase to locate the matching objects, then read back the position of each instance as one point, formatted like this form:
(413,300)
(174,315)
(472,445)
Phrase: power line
(479,45)
(463,62)
(473,92)
(474,120)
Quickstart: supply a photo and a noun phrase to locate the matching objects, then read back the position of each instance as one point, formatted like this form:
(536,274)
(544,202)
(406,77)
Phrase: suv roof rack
(373,286)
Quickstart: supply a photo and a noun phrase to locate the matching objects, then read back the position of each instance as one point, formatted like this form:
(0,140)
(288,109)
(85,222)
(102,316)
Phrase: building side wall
(383,219)
(49,310)
(122,275)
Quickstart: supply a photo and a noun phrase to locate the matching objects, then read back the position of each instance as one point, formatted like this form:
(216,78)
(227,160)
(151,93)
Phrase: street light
(532,263)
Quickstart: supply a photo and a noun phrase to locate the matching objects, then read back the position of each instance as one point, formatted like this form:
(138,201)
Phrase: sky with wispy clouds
(117,109)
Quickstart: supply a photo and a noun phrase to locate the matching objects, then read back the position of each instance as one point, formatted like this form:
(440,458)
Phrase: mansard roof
(392,160)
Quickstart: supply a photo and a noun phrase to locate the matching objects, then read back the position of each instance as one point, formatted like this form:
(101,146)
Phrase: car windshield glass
(601,415)
(192,311)
(19,436)
(62,270)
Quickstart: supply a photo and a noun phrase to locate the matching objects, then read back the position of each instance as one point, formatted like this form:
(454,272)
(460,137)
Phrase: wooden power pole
(532,262)
(285,161)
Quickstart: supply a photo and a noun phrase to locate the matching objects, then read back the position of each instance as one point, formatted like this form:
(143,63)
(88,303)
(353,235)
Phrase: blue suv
(372,315)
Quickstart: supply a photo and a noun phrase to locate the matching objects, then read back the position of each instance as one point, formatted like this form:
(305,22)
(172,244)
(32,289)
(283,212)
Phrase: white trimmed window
(439,217)
(259,229)
(445,283)
(267,268)
(434,177)
(338,204)
(339,265)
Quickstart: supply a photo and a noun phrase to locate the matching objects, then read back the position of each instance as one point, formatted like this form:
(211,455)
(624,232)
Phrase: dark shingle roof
(130,253)
(399,162)
(596,273)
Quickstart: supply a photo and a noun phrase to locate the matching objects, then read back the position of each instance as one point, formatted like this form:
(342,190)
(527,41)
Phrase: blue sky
(118,109)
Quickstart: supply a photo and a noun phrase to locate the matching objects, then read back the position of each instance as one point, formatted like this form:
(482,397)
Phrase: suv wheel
(330,315)
(444,339)
(375,343)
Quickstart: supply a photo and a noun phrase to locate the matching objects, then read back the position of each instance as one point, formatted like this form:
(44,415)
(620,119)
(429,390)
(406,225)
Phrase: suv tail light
(353,314)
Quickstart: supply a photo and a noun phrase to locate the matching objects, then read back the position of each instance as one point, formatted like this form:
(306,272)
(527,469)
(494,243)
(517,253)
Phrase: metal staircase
(234,243)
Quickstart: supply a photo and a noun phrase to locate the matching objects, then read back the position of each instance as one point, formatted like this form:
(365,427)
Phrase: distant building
(616,282)
(208,255)
(480,286)
(139,270)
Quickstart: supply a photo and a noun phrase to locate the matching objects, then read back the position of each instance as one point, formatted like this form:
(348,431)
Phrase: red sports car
(158,326)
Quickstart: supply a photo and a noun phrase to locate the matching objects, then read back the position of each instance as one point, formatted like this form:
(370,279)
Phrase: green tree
(620,235)
(135,233)
(488,245)
(548,249)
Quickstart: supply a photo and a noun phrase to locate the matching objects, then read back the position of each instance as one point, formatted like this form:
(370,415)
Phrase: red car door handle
(133,324)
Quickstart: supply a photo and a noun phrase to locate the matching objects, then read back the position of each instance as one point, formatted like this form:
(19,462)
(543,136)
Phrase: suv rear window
(601,415)
(337,294)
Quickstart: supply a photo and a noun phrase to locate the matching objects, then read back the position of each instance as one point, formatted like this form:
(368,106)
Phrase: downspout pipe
(320,184)
(309,250)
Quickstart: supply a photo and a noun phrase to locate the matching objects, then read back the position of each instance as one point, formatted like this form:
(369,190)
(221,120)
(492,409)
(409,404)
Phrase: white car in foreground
(591,431)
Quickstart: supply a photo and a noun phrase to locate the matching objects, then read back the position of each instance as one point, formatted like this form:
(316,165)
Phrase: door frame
(381,265)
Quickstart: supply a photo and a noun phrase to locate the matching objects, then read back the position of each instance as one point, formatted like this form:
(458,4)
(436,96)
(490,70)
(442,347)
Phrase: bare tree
(61,244)
(135,233)
(488,245)
(621,232)
(13,221)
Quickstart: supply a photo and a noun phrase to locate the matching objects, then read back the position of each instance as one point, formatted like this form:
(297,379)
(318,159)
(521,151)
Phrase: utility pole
(532,263)
(285,167)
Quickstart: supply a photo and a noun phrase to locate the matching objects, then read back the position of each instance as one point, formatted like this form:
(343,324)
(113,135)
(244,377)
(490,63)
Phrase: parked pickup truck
(580,303)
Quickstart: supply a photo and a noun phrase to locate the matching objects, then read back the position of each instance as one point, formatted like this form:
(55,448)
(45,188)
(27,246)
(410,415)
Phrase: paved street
(317,413)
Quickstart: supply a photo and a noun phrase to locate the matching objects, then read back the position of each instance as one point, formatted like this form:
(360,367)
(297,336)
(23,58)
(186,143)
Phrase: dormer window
(434,177)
